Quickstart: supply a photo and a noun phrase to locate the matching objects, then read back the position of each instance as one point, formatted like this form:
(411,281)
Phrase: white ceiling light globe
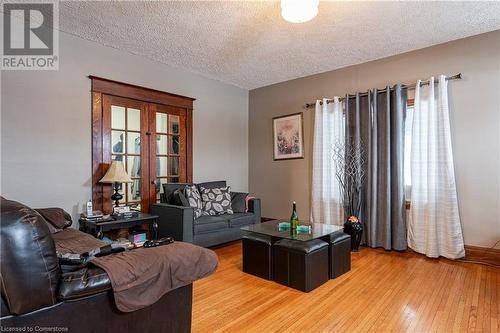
(299,11)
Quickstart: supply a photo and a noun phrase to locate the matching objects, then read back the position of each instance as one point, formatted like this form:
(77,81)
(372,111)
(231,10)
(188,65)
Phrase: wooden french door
(125,128)
(153,141)
(167,147)
(150,140)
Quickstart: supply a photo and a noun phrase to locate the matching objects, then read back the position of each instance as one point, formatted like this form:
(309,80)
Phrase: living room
(192,130)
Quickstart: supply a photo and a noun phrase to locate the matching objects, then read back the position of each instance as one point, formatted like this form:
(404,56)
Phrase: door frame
(101,154)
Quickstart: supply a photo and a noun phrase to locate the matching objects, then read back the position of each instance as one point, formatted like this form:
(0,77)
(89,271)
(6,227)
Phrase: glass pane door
(147,130)
(128,132)
(169,146)
(150,140)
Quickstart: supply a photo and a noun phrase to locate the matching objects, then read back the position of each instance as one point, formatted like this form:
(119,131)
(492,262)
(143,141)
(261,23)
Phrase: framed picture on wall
(288,137)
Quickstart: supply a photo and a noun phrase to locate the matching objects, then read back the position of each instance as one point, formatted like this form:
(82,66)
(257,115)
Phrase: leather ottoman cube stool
(257,257)
(339,253)
(300,265)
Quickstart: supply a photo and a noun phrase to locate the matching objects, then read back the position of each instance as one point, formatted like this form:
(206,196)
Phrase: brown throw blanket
(73,241)
(142,276)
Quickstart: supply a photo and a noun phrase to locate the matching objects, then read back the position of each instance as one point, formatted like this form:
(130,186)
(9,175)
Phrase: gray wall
(475,123)
(46,123)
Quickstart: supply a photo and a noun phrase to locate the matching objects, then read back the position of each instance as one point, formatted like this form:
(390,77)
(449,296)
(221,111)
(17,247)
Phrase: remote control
(159,242)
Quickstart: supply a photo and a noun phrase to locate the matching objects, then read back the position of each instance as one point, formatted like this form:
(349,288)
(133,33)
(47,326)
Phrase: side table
(98,228)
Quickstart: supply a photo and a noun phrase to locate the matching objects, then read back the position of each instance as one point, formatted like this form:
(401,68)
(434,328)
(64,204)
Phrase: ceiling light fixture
(299,11)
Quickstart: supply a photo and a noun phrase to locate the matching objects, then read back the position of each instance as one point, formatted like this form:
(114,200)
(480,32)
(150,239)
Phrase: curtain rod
(408,86)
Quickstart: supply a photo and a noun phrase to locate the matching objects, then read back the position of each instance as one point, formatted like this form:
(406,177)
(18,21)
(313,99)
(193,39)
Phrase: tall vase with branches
(349,159)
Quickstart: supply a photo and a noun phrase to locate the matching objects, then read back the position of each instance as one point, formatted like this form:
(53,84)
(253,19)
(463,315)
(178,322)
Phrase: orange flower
(353,219)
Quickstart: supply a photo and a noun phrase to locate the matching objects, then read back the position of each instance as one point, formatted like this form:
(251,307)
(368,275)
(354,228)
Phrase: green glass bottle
(294,219)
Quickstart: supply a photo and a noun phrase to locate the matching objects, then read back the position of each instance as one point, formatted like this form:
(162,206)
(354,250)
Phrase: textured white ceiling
(248,44)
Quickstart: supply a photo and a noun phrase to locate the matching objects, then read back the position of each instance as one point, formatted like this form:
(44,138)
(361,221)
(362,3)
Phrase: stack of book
(139,244)
(125,215)
(97,216)
(124,242)
(129,244)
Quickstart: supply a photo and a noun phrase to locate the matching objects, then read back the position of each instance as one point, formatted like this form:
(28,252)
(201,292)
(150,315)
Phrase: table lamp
(116,175)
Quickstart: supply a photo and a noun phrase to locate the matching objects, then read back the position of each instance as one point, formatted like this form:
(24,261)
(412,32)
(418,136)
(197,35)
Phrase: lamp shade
(116,174)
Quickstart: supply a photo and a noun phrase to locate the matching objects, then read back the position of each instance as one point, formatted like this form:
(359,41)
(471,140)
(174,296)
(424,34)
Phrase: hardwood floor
(384,292)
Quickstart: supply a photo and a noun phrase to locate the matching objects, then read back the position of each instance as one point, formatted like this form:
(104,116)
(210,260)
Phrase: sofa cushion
(58,217)
(209,224)
(193,196)
(238,202)
(83,282)
(28,258)
(240,219)
(214,184)
(216,201)
(169,188)
(178,198)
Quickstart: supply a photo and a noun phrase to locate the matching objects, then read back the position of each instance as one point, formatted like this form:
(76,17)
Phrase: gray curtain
(375,122)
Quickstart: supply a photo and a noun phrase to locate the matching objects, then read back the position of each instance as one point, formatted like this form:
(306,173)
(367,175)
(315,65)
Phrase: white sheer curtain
(434,227)
(329,132)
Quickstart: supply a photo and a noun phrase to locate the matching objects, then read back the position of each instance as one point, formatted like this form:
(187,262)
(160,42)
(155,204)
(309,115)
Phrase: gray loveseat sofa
(178,221)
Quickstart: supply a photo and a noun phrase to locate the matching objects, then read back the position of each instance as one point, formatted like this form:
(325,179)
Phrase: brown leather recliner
(35,292)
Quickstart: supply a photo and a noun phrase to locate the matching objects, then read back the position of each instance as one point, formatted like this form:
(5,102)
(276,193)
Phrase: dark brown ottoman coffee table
(300,265)
(271,230)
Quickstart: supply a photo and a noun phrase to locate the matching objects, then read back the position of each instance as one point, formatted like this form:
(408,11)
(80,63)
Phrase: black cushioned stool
(300,265)
(339,253)
(257,258)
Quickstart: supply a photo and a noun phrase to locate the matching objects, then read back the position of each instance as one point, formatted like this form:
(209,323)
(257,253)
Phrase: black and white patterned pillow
(193,196)
(216,201)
